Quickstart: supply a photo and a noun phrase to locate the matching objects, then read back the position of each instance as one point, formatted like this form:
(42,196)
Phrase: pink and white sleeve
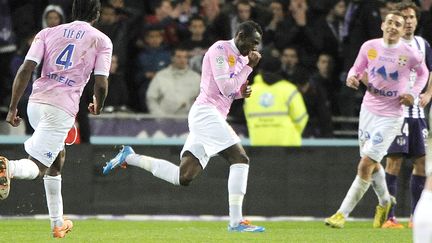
(37,48)
(103,58)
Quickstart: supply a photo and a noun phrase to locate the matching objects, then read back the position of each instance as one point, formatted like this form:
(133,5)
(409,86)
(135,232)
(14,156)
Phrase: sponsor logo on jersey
(372,54)
(387,59)
(231,60)
(381,92)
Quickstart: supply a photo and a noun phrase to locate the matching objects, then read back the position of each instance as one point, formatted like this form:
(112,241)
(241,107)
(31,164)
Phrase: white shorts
(209,133)
(376,133)
(51,125)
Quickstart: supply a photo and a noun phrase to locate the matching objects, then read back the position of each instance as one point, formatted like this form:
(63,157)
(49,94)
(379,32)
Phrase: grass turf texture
(18,230)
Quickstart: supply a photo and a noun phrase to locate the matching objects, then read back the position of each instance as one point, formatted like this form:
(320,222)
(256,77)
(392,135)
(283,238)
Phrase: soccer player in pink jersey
(388,63)
(226,66)
(70,52)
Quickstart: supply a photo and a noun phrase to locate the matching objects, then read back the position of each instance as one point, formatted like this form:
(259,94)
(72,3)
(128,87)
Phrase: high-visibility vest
(276,114)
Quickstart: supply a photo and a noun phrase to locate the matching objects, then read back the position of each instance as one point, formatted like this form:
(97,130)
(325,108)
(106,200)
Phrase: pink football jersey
(224,71)
(70,52)
(388,68)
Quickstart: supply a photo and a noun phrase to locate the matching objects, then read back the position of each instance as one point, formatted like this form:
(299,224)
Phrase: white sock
(158,167)
(422,220)
(237,183)
(54,199)
(380,187)
(354,194)
(23,169)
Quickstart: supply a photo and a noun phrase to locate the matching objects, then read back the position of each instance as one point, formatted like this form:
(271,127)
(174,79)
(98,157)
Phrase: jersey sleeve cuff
(34,59)
(101,73)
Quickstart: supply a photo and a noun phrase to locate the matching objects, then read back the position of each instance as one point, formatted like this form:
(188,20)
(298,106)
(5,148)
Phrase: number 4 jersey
(70,52)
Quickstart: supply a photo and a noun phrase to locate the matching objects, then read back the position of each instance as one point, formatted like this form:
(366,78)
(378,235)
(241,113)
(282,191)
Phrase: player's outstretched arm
(19,85)
(100,93)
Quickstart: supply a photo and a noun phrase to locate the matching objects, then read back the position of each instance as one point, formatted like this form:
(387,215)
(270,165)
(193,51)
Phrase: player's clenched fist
(254,58)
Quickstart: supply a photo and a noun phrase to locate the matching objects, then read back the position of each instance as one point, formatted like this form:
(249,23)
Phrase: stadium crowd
(315,41)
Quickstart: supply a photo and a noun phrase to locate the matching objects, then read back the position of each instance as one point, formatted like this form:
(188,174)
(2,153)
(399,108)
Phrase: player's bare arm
(426,96)
(19,85)
(100,93)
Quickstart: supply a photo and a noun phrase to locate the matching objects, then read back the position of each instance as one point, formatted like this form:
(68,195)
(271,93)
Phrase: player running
(388,63)
(70,52)
(226,66)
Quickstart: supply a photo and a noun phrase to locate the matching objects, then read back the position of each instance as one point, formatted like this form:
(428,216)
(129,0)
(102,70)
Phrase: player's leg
(237,184)
(24,169)
(52,184)
(417,183)
(393,165)
(189,168)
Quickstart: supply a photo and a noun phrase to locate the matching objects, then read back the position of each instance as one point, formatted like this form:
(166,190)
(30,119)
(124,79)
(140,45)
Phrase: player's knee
(185,181)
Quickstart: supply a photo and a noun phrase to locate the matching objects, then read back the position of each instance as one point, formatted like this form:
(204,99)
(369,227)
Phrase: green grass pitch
(92,230)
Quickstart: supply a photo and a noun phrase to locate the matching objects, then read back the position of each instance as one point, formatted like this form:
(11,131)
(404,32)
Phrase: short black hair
(407,5)
(249,27)
(86,10)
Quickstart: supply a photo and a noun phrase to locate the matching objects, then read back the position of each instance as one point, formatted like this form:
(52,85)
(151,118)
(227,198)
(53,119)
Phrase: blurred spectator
(425,22)
(153,57)
(173,89)
(117,98)
(362,22)
(165,16)
(276,114)
(64,4)
(331,27)
(210,10)
(317,94)
(7,50)
(292,70)
(116,29)
(225,25)
(197,43)
(16,62)
(298,30)
(278,10)
(52,16)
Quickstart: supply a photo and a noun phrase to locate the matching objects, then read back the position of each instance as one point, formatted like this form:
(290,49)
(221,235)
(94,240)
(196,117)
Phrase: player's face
(393,28)
(246,44)
(410,21)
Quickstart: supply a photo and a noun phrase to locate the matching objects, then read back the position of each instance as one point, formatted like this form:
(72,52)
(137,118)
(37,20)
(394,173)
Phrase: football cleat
(381,213)
(245,226)
(4,178)
(61,231)
(337,220)
(392,223)
(119,160)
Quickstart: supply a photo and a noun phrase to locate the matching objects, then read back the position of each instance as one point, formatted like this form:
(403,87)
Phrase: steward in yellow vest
(275,112)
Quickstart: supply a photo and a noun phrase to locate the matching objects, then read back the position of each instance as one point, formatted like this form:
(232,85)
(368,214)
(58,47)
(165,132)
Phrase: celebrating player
(70,52)
(388,62)
(226,66)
